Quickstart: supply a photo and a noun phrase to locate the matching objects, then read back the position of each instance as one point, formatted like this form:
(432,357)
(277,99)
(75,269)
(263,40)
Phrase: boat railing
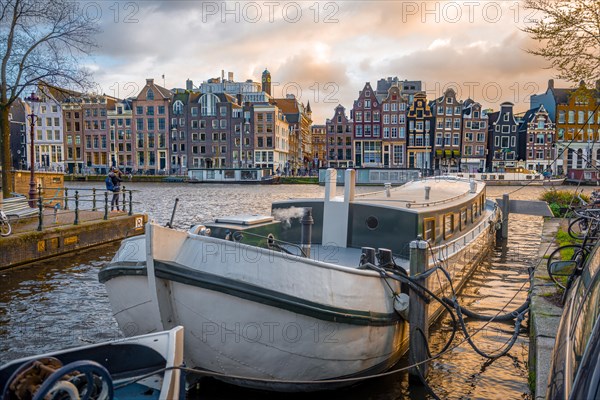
(435,203)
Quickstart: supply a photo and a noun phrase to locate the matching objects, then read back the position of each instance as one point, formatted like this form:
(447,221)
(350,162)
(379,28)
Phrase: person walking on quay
(116,179)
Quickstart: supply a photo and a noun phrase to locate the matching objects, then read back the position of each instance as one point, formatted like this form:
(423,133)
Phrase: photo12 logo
(268,332)
(270,11)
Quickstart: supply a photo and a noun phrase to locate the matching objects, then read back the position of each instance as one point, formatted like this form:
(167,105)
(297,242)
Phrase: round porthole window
(372,223)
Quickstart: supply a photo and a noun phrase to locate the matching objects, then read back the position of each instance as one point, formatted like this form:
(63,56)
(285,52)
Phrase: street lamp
(32,120)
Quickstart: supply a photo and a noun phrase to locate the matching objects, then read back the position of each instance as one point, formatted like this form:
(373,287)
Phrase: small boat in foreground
(133,368)
(295,296)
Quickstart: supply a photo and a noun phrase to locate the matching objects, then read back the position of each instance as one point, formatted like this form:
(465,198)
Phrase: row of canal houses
(222,123)
(395,126)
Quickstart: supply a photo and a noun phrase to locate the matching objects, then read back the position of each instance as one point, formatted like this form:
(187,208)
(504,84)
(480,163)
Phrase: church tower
(266,82)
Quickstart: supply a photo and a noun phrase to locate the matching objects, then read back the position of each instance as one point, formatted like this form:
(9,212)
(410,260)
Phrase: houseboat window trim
(425,230)
(448,233)
(463,221)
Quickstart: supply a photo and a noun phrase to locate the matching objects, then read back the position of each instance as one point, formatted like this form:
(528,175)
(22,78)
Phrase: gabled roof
(183,97)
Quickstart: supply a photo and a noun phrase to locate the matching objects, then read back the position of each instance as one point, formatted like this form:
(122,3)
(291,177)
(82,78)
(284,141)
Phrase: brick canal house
(339,139)
(299,119)
(578,132)
(503,145)
(19,135)
(121,136)
(271,138)
(420,133)
(447,111)
(319,145)
(474,137)
(150,116)
(366,113)
(393,106)
(538,129)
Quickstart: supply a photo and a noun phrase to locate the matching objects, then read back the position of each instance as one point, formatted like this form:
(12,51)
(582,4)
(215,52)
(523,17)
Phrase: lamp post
(32,120)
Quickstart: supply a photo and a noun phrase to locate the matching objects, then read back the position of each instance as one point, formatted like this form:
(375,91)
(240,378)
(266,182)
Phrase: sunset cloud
(476,45)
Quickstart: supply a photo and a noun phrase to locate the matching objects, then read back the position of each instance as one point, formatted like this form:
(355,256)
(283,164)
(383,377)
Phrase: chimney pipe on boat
(472,186)
(427,190)
(306,232)
(388,187)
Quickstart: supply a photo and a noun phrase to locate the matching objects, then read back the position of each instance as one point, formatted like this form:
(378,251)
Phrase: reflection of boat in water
(232,175)
(286,300)
(121,368)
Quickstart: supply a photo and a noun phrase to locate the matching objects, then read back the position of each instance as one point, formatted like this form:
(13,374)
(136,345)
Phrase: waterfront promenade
(55,232)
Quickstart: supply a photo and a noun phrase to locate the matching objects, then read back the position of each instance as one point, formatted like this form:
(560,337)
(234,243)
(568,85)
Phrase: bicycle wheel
(582,226)
(569,252)
(5,228)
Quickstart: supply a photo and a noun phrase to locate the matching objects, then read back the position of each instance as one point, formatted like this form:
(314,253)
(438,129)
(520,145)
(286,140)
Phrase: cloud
(312,44)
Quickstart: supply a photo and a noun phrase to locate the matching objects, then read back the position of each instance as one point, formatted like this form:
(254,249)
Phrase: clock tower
(266,82)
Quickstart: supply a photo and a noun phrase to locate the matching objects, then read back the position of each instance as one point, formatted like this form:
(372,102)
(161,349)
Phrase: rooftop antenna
(163,76)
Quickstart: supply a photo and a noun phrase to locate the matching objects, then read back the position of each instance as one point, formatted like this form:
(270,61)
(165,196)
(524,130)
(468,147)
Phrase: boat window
(475,212)
(463,218)
(470,209)
(481,203)
(372,222)
(429,229)
(484,177)
(500,176)
(448,225)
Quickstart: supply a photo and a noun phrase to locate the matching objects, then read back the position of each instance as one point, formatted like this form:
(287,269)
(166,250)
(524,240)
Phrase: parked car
(575,369)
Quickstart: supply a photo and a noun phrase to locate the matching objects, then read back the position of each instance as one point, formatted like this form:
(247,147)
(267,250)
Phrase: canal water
(59,303)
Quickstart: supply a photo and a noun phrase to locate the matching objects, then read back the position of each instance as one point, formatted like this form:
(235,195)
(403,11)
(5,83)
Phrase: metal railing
(68,204)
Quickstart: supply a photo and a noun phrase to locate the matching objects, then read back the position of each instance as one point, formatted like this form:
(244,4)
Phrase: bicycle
(5,228)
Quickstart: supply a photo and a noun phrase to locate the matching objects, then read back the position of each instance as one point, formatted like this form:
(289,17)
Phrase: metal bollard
(40,214)
(76,222)
(94,199)
(105,205)
(417,312)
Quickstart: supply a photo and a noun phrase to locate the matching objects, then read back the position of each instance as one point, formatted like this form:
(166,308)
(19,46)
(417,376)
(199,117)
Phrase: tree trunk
(6,157)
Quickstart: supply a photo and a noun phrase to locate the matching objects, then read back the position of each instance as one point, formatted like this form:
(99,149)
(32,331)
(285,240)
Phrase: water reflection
(59,303)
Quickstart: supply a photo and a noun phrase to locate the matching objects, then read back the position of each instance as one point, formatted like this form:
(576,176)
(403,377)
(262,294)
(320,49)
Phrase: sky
(321,51)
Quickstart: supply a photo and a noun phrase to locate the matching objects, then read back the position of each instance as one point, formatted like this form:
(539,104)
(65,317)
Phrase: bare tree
(569,35)
(40,40)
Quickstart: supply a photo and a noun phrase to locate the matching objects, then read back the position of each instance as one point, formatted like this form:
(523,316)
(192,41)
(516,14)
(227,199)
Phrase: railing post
(130,204)
(94,199)
(76,222)
(39,188)
(417,312)
(66,207)
(40,214)
(105,205)
(124,198)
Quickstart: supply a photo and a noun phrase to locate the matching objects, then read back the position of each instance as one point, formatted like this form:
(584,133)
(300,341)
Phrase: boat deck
(443,192)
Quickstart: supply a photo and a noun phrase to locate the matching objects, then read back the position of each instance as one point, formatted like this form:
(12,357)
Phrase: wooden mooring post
(417,313)
(505,213)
